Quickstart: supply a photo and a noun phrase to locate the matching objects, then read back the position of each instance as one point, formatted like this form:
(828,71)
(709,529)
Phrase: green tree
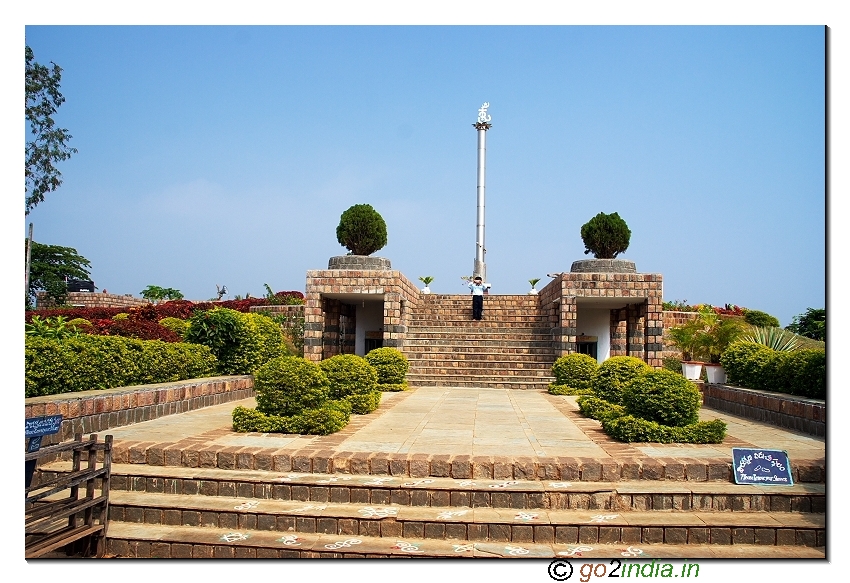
(361,230)
(606,236)
(51,266)
(49,144)
(155,293)
(812,324)
(761,319)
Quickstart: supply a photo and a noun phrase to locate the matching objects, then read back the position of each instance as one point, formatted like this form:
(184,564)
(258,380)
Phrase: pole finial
(483,122)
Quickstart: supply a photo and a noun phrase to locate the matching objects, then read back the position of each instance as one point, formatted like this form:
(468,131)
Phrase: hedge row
(86,362)
(755,366)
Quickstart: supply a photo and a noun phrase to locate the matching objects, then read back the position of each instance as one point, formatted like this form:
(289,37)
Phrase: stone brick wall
(324,312)
(789,411)
(96,411)
(93,300)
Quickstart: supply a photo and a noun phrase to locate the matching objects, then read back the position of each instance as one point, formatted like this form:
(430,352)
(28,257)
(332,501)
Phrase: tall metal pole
(29,256)
(482,125)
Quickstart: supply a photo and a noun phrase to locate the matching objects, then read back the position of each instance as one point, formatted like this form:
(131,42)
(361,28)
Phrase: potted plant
(533,282)
(427,281)
(716,340)
(688,338)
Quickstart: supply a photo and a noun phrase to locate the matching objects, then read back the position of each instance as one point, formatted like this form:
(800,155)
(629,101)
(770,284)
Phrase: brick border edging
(95,411)
(782,410)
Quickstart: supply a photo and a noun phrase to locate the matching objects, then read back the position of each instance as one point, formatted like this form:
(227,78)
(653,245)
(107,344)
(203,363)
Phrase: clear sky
(225,155)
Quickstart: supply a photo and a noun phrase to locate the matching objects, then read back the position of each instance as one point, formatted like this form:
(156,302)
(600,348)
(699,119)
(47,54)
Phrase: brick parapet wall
(93,300)
(788,411)
(96,411)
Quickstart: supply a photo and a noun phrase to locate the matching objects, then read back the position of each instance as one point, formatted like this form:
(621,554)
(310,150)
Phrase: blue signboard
(37,426)
(765,467)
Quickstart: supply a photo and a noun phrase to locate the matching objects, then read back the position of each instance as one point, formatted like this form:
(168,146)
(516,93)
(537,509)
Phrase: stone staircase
(181,512)
(510,348)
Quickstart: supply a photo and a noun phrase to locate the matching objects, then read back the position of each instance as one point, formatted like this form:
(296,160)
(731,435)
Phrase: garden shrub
(629,428)
(80,325)
(746,364)
(664,397)
(134,328)
(605,235)
(329,418)
(242,342)
(760,319)
(391,366)
(287,385)
(364,403)
(349,374)
(614,374)
(672,363)
(176,325)
(575,370)
(599,409)
(121,316)
(87,362)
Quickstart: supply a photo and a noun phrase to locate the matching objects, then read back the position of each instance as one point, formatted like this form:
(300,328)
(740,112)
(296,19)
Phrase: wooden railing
(68,511)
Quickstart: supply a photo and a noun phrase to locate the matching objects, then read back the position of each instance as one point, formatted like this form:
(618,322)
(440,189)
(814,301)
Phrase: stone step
(128,540)
(483,342)
(488,361)
(464,350)
(489,381)
(509,371)
(467,523)
(628,495)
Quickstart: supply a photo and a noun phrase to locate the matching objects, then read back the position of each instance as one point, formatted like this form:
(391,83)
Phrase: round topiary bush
(746,364)
(287,385)
(390,364)
(361,230)
(79,324)
(575,370)
(664,397)
(614,374)
(605,236)
(349,374)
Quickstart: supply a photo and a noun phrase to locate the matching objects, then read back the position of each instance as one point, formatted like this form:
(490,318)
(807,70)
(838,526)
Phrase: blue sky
(225,155)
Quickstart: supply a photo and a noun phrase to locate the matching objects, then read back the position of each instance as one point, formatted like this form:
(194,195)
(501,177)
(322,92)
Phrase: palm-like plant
(426,280)
(774,338)
(533,282)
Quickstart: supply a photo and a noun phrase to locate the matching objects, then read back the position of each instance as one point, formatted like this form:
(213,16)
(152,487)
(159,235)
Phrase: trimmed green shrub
(79,324)
(575,370)
(664,397)
(568,390)
(599,409)
(176,325)
(361,230)
(806,373)
(614,374)
(760,319)
(242,342)
(390,364)
(746,364)
(349,374)
(629,429)
(329,418)
(605,235)
(364,403)
(87,362)
(672,363)
(121,316)
(287,385)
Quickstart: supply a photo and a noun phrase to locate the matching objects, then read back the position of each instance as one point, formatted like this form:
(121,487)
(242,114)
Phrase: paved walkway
(469,421)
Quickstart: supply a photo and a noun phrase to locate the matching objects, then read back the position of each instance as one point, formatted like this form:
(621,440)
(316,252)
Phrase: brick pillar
(655,331)
(314,321)
(565,337)
(635,330)
(330,329)
(618,332)
(394,327)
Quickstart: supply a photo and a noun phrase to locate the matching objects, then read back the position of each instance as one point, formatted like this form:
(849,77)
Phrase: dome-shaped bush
(361,230)
(390,364)
(664,397)
(746,364)
(575,370)
(605,236)
(289,384)
(614,374)
(176,325)
(349,375)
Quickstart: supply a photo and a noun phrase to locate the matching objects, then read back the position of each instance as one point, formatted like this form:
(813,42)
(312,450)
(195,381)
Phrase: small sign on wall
(767,467)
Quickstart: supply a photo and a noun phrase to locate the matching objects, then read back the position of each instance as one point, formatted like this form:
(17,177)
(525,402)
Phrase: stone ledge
(603,266)
(359,262)
(787,411)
